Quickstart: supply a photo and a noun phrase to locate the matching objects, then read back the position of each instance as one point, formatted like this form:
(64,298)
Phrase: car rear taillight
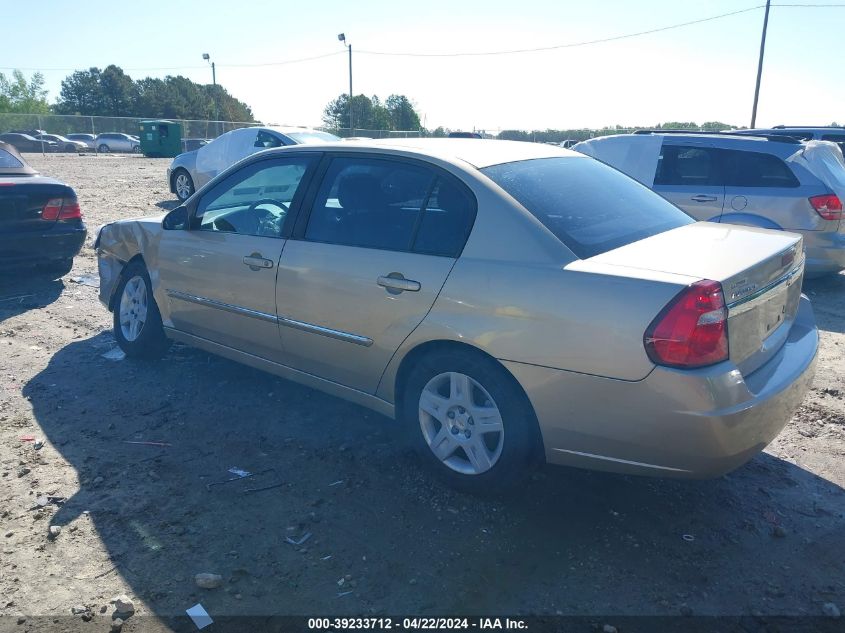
(61,209)
(829,206)
(692,331)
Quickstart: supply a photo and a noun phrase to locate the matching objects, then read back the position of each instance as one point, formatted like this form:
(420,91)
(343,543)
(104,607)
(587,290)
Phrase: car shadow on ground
(147,440)
(25,290)
(828,296)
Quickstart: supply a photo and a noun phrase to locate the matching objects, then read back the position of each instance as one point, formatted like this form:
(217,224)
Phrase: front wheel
(136,149)
(137,321)
(103,149)
(470,422)
(183,184)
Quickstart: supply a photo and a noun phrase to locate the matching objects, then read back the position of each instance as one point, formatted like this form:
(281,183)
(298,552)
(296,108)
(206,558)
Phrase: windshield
(312,137)
(590,207)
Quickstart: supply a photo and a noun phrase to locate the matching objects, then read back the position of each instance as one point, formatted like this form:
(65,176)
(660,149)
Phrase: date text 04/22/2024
(418,623)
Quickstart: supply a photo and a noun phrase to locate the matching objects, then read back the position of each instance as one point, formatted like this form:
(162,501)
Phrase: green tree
(23,96)
(81,93)
(111,92)
(119,92)
(371,114)
(403,116)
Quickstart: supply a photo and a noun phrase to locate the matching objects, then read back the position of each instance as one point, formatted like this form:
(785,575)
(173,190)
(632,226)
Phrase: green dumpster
(161,139)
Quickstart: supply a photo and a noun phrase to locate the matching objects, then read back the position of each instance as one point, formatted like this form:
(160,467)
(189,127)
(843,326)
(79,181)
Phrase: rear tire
(136,320)
(103,149)
(470,422)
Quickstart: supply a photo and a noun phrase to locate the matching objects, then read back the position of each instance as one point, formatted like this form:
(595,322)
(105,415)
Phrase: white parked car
(191,170)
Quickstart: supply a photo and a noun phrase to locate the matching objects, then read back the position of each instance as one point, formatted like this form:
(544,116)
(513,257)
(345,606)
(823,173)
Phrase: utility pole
(207,58)
(760,65)
(342,37)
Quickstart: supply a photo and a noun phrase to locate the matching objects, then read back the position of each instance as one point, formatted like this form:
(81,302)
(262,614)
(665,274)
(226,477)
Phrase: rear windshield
(589,206)
(8,161)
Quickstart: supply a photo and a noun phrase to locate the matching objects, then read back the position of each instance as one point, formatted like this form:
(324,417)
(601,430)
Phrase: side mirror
(176,220)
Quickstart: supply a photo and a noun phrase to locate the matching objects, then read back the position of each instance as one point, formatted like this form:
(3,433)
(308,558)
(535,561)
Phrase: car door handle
(703,198)
(396,282)
(257,262)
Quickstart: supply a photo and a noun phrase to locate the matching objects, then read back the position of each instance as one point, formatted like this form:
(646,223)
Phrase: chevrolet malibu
(505,302)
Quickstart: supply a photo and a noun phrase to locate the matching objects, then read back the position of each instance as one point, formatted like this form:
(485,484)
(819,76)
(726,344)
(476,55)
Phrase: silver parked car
(63,143)
(770,182)
(88,139)
(117,142)
(191,170)
(507,302)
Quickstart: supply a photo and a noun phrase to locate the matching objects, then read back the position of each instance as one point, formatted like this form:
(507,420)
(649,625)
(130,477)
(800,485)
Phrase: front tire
(183,184)
(137,321)
(470,422)
(103,149)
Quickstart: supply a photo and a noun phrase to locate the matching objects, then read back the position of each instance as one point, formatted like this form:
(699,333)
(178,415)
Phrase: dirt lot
(385,538)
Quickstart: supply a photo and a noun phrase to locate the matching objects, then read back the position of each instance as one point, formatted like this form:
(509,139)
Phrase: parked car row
(506,302)
(39,140)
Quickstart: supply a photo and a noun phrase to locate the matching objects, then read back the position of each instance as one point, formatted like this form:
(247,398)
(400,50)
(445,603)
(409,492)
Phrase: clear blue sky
(700,72)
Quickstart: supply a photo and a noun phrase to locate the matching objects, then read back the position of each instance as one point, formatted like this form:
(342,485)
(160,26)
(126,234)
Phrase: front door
(380,241)
(690,176)
(219,276)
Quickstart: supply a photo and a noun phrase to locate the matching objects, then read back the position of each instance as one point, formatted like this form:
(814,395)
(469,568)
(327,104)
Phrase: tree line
(397,112)
(110,92)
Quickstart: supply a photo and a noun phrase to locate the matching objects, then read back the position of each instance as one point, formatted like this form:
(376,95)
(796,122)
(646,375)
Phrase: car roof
(26,170)
(479,153)
(778,145)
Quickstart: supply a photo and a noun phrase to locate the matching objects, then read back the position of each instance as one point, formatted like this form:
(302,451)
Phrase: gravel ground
(140,519)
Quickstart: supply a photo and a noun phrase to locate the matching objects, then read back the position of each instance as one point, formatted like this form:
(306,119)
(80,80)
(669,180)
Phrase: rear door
(760,189)
(690,176)
(369,260)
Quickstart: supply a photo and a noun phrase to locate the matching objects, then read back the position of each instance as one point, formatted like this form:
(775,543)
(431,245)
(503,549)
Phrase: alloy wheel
(133,308)
(461,423)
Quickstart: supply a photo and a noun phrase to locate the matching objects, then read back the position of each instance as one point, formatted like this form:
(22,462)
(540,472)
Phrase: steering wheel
(267,222)
(268,201)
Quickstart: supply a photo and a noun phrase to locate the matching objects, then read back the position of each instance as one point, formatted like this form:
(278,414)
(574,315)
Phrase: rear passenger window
(754,169)
(693,166)
(369,203)
(446,220)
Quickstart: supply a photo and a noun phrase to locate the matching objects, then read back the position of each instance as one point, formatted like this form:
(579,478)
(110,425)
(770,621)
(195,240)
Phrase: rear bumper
(59,242)
(825,252)
(698,423)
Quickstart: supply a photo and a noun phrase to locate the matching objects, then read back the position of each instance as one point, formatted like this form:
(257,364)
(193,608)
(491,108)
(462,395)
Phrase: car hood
(185,159)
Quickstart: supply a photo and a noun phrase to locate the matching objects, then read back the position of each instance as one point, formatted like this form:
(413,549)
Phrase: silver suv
(117,142)
(772,182)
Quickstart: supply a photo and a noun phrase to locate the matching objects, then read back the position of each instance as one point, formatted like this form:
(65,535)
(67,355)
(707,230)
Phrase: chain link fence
(74,124)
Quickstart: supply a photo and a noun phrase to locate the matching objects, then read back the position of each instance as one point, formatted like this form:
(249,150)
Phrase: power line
(471,54)
(601,40)
(571,44)
(279,63)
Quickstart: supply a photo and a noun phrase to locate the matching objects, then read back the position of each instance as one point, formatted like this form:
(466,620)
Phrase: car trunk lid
(760,272)
(22,201)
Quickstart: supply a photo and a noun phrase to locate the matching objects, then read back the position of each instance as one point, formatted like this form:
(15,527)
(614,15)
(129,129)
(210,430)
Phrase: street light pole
(342,38)
(207,58)
(760,65)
